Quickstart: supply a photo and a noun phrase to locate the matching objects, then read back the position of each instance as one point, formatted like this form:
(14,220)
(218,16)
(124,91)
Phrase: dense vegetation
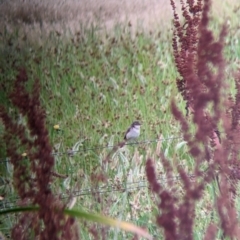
(91,85)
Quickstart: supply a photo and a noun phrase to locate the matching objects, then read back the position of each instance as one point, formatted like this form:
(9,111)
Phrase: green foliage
(89,217)
(93,86)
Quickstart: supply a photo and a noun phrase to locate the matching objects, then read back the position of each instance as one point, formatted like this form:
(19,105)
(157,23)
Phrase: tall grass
(94,83)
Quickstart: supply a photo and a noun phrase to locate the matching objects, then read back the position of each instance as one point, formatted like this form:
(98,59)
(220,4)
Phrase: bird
(133,131)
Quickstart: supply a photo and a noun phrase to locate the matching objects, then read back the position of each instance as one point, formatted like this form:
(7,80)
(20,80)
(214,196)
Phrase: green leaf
(98,218)
(180,145)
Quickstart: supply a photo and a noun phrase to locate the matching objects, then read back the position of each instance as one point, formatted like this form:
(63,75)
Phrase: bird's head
(136,124)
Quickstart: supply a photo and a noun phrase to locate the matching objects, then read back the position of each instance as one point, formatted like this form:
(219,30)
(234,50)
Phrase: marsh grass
(93,86)
(90,91)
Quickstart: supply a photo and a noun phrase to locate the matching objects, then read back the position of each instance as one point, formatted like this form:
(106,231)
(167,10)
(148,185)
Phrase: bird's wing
(125,136)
